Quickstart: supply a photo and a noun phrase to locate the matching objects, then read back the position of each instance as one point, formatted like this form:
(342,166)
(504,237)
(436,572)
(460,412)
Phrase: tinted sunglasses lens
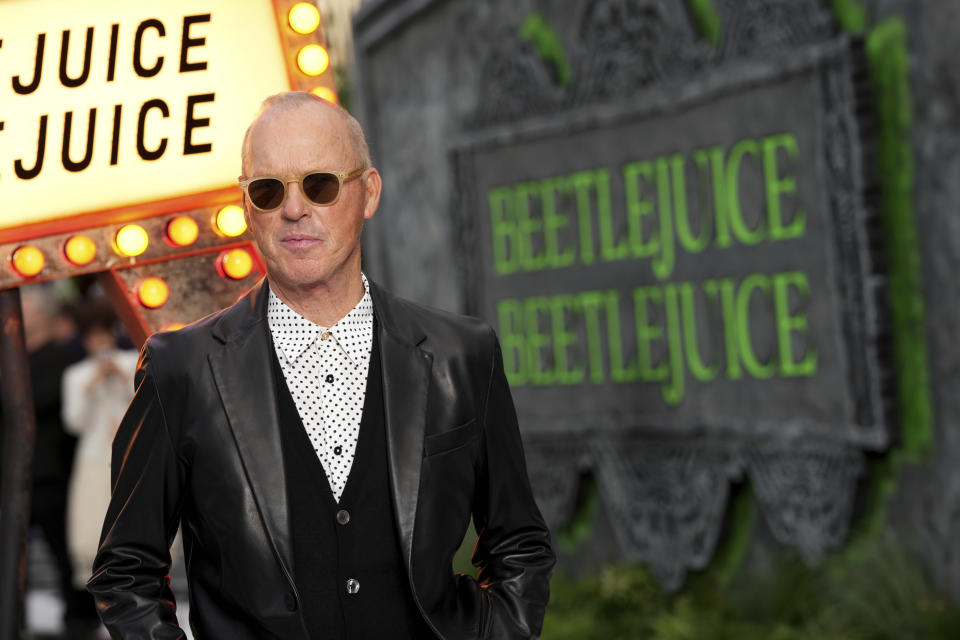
(321,188)
(265,193)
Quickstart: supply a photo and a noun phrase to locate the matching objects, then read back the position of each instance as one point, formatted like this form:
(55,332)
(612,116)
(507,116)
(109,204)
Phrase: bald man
(323,443)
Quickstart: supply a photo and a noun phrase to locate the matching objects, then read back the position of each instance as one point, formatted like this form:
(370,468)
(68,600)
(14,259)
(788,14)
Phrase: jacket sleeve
(130,581)
(513,551)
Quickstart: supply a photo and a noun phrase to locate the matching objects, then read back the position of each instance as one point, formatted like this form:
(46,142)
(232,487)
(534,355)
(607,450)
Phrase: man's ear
(372,185)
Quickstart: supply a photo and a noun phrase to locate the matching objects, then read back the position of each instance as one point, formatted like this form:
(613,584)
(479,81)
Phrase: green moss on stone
(580,527)
(889,75)
(851,15)
(541,35)
(706,19)
(735,544)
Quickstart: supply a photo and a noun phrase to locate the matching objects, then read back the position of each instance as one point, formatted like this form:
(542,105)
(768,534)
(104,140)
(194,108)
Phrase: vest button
(343,516)
(290,600)
(353,586)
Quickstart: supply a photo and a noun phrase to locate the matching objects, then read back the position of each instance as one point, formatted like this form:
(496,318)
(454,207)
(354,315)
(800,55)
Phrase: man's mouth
(299,241)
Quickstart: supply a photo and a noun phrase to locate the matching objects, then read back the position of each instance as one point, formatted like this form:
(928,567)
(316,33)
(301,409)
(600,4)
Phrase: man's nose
(295,206)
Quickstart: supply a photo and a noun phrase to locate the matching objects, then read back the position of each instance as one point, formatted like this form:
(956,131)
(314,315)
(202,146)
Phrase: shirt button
(353,586)
(338,450)
(291,601)
(329,377)
(343,516)
(325,335)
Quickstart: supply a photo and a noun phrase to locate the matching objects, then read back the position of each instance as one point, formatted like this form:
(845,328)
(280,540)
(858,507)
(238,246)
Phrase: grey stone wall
(414,97)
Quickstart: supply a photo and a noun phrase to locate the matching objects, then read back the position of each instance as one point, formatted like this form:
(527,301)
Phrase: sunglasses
(319,187)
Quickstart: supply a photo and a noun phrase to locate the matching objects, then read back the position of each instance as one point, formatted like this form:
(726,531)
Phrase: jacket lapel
(406,381)
(242,373)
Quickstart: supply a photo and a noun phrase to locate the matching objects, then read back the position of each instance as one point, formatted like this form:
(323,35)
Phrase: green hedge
(874,593)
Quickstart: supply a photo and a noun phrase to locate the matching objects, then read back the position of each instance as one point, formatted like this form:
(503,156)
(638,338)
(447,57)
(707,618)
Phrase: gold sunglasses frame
(343,177)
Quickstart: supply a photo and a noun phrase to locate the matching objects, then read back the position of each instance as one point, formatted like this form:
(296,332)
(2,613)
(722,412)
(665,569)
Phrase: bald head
(290,101)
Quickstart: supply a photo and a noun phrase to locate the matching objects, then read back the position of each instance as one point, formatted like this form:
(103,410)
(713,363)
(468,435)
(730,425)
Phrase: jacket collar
(391,311)
(243,376)
(236,321)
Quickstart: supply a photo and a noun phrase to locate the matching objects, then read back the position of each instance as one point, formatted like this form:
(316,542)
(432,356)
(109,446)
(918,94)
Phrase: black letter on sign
(69,164)
(142,71)
(188,42)
(193,123)
(66,80)
(27,174)
(115,141)
(145,153)
(23,89)
(112,63)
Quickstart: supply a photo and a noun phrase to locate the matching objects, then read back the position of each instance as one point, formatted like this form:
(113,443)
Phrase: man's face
(303,244)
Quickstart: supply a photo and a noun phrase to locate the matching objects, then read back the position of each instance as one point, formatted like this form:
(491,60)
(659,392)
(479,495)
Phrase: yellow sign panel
(109,104)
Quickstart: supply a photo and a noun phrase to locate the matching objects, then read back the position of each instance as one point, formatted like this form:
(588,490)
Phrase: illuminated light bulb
(236,264)
(182,231)
(131,240)
(326,93)
(27,261)
(303,18)
(173,326)
(80,250)
(313,60)
(229,221)
(153,292)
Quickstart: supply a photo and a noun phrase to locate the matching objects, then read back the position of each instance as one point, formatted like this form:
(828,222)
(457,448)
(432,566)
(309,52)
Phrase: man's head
(304,244)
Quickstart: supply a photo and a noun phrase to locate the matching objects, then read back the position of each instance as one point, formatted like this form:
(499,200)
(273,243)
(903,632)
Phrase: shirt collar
(293,334)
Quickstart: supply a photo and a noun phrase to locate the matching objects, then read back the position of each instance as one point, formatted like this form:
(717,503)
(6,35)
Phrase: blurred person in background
(53,452)
(96,392)
(66,331)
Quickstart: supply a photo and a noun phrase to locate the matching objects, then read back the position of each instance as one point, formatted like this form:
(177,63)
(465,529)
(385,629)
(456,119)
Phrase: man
(323,443)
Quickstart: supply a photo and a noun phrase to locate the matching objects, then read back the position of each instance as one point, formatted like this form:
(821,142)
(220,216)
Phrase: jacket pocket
(451,439)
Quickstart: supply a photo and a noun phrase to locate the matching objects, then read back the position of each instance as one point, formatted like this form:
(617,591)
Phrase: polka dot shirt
(326,371)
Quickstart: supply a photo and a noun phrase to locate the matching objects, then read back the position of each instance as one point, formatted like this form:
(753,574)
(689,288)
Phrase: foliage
(545,40)
(875,592)
(888,69)
(887,52)
(850,15)
(734,543)
(569,537)
(707,20)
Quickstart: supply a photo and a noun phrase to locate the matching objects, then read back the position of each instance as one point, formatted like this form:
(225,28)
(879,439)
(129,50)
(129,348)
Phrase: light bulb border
(138,291)
(116,241)
(66,256)
(11,261)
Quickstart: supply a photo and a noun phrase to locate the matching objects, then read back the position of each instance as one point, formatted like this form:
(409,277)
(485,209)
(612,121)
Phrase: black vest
(348,567)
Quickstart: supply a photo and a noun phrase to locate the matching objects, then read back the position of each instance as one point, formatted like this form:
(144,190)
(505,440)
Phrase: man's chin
(299,279)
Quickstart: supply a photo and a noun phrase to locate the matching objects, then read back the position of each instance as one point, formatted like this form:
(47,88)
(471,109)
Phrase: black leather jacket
(200,446)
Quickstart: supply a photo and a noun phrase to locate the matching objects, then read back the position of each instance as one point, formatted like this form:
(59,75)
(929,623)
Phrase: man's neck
(323,303)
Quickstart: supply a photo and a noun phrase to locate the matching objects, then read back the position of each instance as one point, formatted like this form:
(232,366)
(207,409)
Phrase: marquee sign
(108,105)
(120,132)
(695,279)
